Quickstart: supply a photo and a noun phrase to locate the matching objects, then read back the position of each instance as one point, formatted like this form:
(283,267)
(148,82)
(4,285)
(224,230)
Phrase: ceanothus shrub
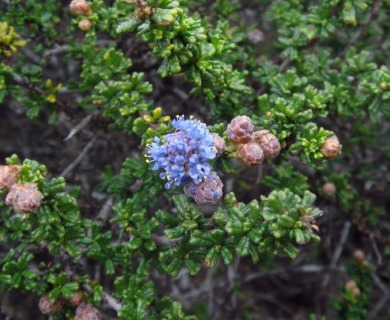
(290,105)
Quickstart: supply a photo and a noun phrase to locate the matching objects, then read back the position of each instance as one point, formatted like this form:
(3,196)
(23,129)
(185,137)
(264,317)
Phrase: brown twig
(110,300)
(371,16)
(338,251)
(80,157)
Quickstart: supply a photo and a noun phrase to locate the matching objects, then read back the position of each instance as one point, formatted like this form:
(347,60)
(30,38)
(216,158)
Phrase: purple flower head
(184,154)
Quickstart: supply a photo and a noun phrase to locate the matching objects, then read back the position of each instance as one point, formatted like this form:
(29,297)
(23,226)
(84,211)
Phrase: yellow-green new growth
(9,40)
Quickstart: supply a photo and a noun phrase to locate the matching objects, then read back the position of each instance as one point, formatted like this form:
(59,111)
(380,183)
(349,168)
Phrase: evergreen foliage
(322,73)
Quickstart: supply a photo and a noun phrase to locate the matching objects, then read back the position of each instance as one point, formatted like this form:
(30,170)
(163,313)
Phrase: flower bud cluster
(253,146)
(219,144)
(85,25)
(331,147)
(24,197)
(208,191)
(87,312)
(47,307)
(80,8)
(352,287)
(184,155)
(76,299)
(8,176)
(329,189)
(360,257)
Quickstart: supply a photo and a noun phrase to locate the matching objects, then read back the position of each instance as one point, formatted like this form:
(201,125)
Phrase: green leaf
(128,25)
(68,289)
(243,246)
(227,255)
(299,236)
(192,266)
(110,268)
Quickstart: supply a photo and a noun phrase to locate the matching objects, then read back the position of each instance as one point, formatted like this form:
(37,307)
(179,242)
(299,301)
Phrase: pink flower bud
(329,189)
(85,25)
(268,142)
(80,7)
(48,307)
(240,129)
(250,154)
(331,148)
(25,198)
(77,299)
(208,191)
(359,255)
(87,312)
(219,143)
(255,36)
(8,176)
(352,287)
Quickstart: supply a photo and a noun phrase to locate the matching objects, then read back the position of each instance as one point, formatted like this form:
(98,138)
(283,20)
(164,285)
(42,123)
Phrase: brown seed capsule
(329,189)
(80,7)
(250,154)
(48,307)
(219,143)
(240,129)
(77,299)
(85,25)
(87,312)
(331,148)
(268,142)
(25,198)
(208,191)
(8,176)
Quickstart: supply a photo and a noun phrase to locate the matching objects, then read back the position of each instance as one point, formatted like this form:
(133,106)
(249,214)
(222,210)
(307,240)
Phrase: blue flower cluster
(184,154)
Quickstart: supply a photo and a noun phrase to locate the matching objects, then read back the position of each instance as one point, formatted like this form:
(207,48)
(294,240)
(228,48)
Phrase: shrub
(283,112)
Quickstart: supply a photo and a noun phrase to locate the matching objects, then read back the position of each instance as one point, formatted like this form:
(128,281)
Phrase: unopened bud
(329,189)
(8,176)
(250,154)
(147,11)
(268,142)
(208,191)
(240,129)
(25,198)
(219,143)
(356,292)
(207,263)
(87,312)
(255,36)
(350,285)
(48,307)
(269,114)
(80,7)
(85,25)
(359,255)
(77,299)
(331,148)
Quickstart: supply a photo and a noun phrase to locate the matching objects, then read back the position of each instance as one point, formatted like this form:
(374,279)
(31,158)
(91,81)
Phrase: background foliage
(87,103)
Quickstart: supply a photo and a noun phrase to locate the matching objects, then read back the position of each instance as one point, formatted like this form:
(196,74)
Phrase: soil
(289,289)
